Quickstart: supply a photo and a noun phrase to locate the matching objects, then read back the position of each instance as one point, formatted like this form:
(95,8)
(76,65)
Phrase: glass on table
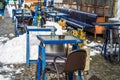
(53,32)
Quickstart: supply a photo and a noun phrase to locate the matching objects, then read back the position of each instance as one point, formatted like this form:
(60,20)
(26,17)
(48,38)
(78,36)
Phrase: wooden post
(115,8)
(95,5)
(81,5)
(89,8)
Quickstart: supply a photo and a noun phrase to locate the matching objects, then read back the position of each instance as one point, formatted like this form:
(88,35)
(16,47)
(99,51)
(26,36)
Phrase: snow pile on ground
(4,39)
(9,8)
(95,48)
(9,72)
(14,50)
(3,78)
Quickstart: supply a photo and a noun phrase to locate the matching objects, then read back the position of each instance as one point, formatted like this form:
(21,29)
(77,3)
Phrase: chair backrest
(75,61)
(56,50)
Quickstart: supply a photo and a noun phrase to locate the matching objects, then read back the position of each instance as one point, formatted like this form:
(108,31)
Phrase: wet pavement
(104,69)
(100,67)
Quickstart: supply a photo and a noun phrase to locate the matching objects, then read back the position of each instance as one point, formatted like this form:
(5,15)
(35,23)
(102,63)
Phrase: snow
(9,8)
(6,72)
(95,47)
(11,35)
(14,50)
(3,78)
(3,39)
(18,71)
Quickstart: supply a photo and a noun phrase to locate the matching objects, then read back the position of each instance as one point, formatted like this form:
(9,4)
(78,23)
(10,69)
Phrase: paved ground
(100,67)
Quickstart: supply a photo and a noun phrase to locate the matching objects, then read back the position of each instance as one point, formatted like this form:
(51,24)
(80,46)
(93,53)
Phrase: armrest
(59,57)
(55,65)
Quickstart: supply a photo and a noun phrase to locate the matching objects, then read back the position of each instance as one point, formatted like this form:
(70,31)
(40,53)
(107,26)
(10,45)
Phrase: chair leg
(66,76)
(71,76)
(84,75)
(79,75)
(115,53)
(58,76)
(119,50)
(95,35)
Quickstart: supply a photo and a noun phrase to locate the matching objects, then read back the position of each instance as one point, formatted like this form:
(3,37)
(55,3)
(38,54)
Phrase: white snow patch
(11,35)
(3,78)
(3,39)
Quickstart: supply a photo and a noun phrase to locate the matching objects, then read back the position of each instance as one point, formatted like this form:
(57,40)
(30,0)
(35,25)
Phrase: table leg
(27,49)
(16,27)
(111,42)
(105,44)
(71,76)
(43,61)
(13,14)
(35,21)
(119,51)
(39,62)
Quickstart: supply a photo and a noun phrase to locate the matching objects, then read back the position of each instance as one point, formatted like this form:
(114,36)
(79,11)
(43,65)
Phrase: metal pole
(45,2)
(39,7)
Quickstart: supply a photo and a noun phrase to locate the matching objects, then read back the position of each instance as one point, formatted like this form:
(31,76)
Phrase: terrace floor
(99,67)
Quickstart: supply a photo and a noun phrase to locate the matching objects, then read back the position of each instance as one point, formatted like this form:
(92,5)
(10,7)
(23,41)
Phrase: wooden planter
(99,29)
(33,3)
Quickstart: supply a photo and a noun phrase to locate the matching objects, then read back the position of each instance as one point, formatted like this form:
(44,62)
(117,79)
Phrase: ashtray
(61,36)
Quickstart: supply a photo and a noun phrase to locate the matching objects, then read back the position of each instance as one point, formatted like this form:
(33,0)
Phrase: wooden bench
(78,19)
